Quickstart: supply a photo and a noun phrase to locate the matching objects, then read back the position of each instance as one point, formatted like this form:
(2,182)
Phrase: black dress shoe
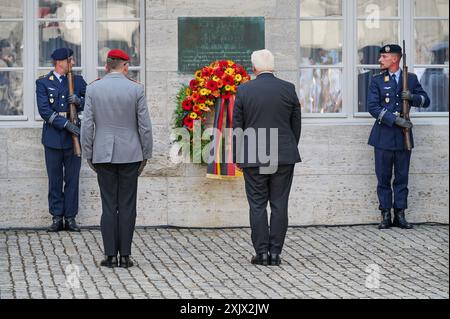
(386,223)
(400,220)
(260,259)
(125,262)
(56,225)
(275,260)
(71,225)
(109,261)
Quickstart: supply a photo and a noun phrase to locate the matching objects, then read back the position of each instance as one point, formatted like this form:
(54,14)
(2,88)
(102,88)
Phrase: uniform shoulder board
(42,76)
(378,74)
(97,79)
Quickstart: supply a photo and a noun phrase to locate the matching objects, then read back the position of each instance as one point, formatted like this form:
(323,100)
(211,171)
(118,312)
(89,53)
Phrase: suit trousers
(63,170)
(392,193)
(118,189)
(273,188)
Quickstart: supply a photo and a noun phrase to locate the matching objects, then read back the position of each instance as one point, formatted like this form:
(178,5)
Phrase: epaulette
(379,74)
(95,80)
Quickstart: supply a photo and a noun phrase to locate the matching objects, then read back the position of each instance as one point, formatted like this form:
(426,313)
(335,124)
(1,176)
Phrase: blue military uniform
(63,167)
(385,105)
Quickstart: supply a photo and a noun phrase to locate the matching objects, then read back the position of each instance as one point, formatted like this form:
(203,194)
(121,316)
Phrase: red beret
(118,54)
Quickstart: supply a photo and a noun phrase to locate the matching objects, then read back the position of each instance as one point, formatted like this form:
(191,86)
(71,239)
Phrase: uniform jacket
(385,103)
(116,124)
(51,95)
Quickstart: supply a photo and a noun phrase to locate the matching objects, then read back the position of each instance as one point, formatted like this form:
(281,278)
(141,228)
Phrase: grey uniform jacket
(116,126)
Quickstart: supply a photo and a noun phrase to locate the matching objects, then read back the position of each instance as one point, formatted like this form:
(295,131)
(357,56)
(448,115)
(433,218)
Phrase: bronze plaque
(204,40)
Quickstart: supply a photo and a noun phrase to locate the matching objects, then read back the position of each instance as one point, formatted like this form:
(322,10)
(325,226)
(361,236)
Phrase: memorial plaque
(204,40)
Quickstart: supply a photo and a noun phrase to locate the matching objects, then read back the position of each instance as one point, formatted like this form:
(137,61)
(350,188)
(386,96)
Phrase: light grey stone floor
(318,262)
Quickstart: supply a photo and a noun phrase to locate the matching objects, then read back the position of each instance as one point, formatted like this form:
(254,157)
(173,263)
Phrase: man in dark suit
(63,166)
(385,105)
(267,120)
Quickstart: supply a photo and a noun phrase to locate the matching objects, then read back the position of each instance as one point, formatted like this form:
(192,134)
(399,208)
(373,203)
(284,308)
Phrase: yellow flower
(230,63)
(188,91)
(229,71)
(216,78)
(198,74)
(209,102)
(238,78)
(204,91)
(202,106)
(193,115)
(227,87)
(201,82)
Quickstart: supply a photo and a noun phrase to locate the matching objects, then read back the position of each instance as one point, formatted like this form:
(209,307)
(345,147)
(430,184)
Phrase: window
(11,58)
(50,24)
(339,43)
(431,51)
(378,23)
(321,45)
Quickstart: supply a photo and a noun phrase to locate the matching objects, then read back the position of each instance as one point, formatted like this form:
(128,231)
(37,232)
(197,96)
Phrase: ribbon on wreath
(220,165)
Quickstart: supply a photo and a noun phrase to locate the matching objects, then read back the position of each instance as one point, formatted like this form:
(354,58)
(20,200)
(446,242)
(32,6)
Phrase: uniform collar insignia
(51,77)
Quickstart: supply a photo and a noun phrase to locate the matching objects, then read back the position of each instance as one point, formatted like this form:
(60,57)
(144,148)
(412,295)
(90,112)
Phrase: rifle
(73,114)
(405,105)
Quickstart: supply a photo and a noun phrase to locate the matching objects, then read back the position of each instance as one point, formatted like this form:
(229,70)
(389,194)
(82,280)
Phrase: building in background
(324,46)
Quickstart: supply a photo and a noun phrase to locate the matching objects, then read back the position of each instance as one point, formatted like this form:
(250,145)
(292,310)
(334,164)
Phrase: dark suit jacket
(265,103)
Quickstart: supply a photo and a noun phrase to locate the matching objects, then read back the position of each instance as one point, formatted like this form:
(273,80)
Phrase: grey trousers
(118,189)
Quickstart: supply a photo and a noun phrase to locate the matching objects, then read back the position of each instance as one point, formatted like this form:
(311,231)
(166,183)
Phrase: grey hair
(115,64)
(263,60)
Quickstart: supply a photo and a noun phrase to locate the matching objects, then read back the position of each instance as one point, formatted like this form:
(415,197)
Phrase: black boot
(71,225)
(125,262)
(56,225)
(274,260)
(386,223)
(109,261)
(260,259)
(400,220)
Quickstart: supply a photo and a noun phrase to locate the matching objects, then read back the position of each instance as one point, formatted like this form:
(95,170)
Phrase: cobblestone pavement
(318,262)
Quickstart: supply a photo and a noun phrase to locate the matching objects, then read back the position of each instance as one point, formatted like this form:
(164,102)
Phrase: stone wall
(334,185)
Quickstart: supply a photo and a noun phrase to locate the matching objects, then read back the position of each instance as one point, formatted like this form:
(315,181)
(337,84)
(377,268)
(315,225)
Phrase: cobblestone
(317,262)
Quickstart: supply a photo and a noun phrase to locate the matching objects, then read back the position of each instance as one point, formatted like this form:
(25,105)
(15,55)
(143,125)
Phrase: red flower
(227,80)
(201,99)
(211,85)
(193,84)
(187,105)
(218,72)
(223,64)
(195,96)
(188,122)
(207,72)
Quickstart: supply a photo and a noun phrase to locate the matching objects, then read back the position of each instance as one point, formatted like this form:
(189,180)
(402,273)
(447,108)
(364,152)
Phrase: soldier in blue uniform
(384,100)
(63,167)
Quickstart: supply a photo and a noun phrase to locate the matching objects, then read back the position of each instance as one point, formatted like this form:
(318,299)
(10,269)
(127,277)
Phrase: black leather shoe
(386,223)
(125,262)
(400,220)
(56,225)
(71,225)
(274,260)
(109,261)
(260,259)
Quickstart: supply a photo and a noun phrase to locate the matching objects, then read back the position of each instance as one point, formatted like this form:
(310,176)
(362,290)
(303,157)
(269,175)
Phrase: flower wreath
(194,101)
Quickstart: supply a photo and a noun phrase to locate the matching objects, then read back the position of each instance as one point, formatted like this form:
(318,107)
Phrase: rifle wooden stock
(73,114)
(405,104)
